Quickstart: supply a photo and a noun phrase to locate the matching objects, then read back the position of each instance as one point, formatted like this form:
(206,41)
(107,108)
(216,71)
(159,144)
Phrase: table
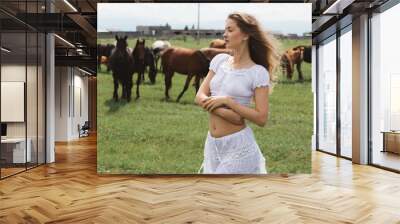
(391,141)
(16,148)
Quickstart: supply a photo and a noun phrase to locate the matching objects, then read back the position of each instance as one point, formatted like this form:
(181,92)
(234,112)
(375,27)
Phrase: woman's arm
(258,115)
(225,113)
(229,115)
(204,90)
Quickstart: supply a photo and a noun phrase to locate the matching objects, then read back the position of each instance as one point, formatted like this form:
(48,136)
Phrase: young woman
(226,93)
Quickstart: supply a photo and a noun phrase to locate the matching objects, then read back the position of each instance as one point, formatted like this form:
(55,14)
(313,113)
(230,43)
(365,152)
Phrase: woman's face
(233,36)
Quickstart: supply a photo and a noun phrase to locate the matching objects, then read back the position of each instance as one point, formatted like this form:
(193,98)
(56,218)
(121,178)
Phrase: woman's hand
(213,102)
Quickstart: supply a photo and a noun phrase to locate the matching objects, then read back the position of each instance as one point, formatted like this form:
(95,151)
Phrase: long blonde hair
(262,45)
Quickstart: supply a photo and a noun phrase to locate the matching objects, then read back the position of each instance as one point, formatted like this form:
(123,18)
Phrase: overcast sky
(276,17)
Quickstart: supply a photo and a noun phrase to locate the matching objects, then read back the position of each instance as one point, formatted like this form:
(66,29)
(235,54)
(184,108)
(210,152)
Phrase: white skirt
(237,153)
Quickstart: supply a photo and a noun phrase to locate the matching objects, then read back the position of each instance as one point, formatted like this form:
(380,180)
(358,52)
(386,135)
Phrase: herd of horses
(194,63)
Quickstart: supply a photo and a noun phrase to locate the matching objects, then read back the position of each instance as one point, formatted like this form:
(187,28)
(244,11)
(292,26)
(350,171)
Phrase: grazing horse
(188,62)
(295,56)
(103,54)
(121,66)
(159,46)
(218,43)
(149,61)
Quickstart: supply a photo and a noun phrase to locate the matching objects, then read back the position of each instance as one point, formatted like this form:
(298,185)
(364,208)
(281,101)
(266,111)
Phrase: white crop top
(236,83)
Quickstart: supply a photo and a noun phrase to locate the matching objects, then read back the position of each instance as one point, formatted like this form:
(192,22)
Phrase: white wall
(80,83)
(12,101)
(12,73)
(71,87)
(62,81)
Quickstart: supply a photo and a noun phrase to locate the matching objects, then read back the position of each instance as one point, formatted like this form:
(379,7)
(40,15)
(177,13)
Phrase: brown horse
(103,54)
(295,56)
(188,62)
(121,65)
(218,43)
(143,57)
(139,65)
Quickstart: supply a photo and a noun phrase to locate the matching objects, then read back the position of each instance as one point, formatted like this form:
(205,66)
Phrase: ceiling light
(86,72)
(64,40)
(5,50)
(79,51)
(338,6)
(70,5)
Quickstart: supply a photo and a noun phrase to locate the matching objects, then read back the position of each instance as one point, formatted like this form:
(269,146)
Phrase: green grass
(151,135)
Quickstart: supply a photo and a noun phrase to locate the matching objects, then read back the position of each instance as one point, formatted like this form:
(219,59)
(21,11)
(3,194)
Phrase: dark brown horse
(105,52)
(139,65)
(295,56)
(149,61)
(190,62)
(121,65)
(218,43)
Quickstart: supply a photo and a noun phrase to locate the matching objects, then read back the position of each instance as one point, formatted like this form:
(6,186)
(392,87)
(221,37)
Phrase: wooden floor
(70,191)
(10,171)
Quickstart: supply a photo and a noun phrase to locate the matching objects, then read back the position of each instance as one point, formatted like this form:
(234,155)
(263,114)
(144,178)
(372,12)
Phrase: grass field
(152,136)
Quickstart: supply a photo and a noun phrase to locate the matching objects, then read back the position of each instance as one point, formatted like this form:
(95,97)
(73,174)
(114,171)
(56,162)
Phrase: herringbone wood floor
(70,191)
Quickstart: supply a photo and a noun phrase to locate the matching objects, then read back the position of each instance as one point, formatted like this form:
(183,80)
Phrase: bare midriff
(219,127)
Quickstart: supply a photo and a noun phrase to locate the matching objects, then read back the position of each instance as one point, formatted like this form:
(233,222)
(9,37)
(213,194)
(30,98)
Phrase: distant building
(130,34)
(202,33)
(153,30)
(292,36)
